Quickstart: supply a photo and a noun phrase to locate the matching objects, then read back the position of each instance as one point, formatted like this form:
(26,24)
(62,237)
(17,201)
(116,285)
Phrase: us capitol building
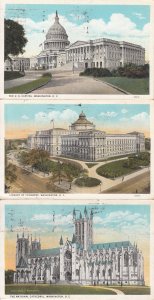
(79,260)
(99,53)
(84,142)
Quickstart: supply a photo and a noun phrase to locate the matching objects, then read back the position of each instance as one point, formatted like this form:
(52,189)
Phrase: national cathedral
(79,260)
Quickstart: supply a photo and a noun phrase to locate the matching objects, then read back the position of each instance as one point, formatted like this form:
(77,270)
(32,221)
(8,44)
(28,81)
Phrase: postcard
(91,149)
(74,49)
(77,249)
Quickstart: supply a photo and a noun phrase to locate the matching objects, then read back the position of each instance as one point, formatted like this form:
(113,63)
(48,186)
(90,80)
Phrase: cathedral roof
(112,245)
(45,252)
(22,263)
(82,120)
(56,29)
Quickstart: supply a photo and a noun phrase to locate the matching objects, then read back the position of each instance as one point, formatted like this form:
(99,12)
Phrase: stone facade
(82,141)
(98,53)
(79,260)
(17,64)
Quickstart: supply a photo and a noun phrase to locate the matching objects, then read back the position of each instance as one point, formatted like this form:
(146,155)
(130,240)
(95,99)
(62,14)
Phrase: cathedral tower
(83,228)
(22,250)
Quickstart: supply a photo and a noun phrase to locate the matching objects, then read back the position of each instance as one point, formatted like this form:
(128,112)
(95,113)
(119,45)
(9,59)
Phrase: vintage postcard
(77,250)
(78,49)
(90,149)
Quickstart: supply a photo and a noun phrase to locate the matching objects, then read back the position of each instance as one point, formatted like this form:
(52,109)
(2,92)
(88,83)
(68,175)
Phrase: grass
(87,181)
(135,86)
(27,87)
(115,169)
(90,165)
(126,166)
(45,289)
(134,290)
(9,75)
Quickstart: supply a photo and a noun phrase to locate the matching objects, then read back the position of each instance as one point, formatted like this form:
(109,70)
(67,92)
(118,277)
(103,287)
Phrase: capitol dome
(56,37)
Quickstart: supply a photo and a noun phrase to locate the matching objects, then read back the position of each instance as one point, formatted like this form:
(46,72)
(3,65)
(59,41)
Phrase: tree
(15,40)
(9,276)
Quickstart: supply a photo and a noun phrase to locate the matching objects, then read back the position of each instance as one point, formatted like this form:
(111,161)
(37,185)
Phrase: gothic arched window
(119,262)
(103,273)
(109,272)
(135,259)
(126,259)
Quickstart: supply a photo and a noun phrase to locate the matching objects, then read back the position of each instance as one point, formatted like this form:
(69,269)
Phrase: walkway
(29,76)
(67,82)
(116,291)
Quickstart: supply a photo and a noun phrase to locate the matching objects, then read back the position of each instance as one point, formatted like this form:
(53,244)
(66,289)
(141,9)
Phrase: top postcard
(69,50)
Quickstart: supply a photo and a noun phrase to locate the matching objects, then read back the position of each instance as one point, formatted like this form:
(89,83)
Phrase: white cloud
(124,111)
(118,27)
(143,116)
(108,114)
(24,117)
(67,115)
(58,219)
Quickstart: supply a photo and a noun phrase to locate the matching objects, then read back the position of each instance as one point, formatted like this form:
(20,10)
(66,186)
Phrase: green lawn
(115,169)
(27,87)
(135,86)
(9,75)
(46,289)
(134,290)
(87,181)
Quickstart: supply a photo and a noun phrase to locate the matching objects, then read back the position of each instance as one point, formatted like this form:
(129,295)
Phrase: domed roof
(56,29)
(82,120)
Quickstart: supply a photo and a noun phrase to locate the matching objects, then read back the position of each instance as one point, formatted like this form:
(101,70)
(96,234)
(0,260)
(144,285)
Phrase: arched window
(119,262)
(135,259)
(103,273)
(109,272)
(77,272)
(126,259)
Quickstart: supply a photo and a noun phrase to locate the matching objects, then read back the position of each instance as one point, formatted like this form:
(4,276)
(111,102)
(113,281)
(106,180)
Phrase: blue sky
(41,216)
(83,22)
(140,14)
(107,117)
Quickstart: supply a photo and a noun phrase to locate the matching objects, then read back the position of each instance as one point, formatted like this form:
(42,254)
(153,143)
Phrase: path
(67,82)
(36,180)
(29,76)
(118,292)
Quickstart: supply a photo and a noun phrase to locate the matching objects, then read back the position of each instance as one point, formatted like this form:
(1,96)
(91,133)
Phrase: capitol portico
(98,53)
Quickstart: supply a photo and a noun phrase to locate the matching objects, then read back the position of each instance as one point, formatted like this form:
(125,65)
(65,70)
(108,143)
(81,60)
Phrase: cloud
(58,219)
(143,116)
(108,114)
(24,117)
(67,115)
(118,27)
(124,111)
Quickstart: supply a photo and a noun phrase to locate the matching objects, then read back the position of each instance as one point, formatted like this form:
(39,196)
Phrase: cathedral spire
(73,239)
(61,241)
(85,211)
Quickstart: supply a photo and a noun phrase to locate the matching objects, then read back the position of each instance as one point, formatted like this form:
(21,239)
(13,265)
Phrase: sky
(24,119)
(83,22)
(111,223)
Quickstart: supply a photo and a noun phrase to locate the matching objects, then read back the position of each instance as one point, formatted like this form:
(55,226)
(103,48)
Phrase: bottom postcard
(53,249)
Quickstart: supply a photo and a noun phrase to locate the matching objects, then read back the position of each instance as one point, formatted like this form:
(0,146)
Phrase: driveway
(67,82)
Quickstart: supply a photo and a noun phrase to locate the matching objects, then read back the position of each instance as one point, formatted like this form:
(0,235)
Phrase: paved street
(36,183)
(65,82)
